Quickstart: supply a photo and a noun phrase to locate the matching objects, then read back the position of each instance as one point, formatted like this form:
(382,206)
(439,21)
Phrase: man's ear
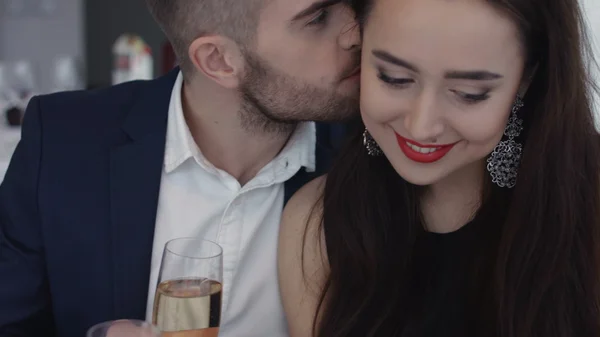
(528,76)
(217,58)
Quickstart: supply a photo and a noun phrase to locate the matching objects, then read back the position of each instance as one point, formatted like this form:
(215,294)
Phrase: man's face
(304,65)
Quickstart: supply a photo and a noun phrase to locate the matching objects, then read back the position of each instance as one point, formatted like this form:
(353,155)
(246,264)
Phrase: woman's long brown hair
(539,271)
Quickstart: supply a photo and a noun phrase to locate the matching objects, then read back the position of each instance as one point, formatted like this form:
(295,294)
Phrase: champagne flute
(188,296)
(123,328)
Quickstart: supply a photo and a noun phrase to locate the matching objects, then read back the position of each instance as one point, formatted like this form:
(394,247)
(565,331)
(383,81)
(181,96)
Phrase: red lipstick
(422,153)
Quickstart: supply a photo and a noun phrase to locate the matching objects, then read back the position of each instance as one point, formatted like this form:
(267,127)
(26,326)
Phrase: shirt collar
(180,144)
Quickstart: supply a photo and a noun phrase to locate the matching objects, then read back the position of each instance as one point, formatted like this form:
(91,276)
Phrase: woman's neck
(451,202)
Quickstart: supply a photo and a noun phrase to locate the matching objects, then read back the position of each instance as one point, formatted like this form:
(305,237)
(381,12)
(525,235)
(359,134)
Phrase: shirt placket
(229,238)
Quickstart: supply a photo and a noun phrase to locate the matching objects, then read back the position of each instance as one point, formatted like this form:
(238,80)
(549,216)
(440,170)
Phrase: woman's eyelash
(472,98)
(394,81)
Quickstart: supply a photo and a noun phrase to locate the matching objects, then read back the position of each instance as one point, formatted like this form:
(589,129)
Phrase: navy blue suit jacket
(78,207)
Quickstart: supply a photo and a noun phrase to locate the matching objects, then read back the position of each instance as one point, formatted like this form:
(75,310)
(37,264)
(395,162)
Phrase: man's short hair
(183,21)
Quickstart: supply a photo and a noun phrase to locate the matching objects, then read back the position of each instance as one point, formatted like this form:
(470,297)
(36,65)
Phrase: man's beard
(273,102)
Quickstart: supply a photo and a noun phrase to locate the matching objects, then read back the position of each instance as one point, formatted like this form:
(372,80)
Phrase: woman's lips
(422,153)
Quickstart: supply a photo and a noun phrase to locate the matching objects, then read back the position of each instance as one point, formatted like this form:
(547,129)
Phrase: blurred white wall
(40,31)
(592,10)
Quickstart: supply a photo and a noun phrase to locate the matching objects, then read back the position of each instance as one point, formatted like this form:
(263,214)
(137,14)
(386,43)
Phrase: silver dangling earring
(371,145)
(503,163)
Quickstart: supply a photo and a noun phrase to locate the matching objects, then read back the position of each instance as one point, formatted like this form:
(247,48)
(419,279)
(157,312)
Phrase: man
(101,180)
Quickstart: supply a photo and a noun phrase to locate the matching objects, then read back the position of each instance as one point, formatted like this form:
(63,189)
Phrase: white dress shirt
(199,200)
(9,138)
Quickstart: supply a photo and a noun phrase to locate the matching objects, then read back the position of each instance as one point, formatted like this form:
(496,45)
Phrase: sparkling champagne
(188,307)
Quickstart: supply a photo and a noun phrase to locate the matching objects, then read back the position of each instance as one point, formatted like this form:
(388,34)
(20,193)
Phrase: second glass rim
(219,253)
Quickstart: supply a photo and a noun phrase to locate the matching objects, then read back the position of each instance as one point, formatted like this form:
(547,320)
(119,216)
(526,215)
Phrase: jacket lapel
(135,173)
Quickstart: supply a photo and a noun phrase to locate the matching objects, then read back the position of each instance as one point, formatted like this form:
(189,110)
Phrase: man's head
(289,60)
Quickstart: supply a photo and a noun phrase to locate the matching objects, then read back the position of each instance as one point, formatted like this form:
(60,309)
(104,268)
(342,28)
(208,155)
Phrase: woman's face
(438,76)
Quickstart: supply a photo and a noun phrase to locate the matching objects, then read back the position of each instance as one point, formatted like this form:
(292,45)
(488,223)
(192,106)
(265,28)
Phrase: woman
(467,204)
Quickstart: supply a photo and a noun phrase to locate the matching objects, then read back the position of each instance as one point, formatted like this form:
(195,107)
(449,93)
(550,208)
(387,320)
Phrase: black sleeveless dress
(443,296)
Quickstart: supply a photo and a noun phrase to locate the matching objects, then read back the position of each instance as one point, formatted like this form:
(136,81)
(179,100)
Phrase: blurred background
(55,45)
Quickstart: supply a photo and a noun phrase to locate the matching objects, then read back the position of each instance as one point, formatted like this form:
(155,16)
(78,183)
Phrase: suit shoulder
(78,104)
(92,113)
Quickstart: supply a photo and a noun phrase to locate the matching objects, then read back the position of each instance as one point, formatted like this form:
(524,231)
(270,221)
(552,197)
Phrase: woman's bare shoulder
(302,258)
(305,200)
